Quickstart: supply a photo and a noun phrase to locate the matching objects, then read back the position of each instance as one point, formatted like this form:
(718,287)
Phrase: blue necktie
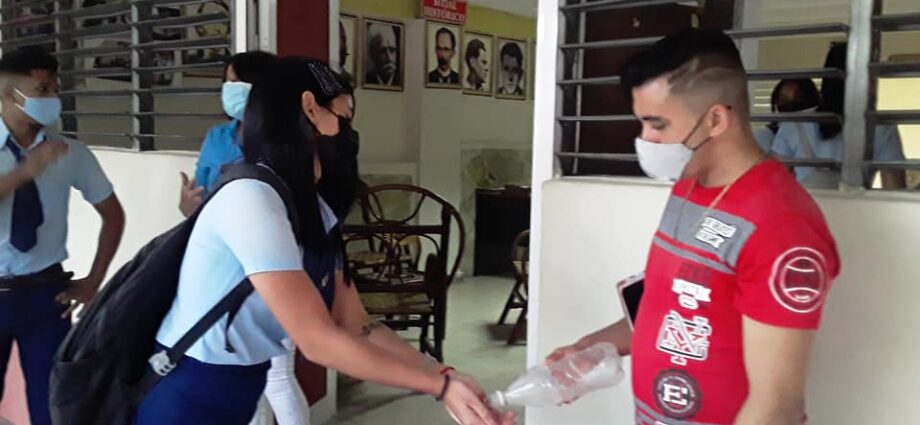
(27,210)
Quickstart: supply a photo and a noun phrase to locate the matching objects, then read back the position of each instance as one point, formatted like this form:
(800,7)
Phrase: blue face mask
(234,95)
(44,110)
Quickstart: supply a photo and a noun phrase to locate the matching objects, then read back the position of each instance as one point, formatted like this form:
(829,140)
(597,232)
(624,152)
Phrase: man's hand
(465,402)
(79,293)
(42,157)
(561,352)
(190,197)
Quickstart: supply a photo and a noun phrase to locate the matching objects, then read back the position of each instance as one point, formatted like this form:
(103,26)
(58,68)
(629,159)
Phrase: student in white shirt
(38,170)
(244,232)
(789,95)
(825,140)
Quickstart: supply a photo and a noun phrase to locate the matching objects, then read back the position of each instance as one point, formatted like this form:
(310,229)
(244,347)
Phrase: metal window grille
(867,24)
(134,73)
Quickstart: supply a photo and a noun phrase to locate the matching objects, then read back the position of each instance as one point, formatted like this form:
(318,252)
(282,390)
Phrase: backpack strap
(165,361)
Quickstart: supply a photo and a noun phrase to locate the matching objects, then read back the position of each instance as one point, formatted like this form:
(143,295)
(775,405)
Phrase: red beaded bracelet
(441,396)
(447,370)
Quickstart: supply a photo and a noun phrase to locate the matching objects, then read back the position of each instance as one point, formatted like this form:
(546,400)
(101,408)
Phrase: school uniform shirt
(221,147)
(79,169)
(764,137)
(764,251)
(243,230)
(789,144)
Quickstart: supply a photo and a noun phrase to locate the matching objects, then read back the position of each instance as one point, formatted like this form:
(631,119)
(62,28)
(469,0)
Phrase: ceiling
(517,7)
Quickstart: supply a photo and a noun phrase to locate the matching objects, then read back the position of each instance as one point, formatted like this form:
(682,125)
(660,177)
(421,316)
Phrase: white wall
(597,231)
(147,185)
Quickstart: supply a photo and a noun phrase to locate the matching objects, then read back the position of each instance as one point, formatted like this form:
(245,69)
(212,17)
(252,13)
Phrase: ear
(309,106)
(719,118)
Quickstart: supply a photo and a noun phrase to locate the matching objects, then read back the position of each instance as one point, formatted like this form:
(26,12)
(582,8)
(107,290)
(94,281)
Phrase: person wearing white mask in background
(38,168)
(742,262)
(825,140)
(283,400)
(221,146)
(789,95)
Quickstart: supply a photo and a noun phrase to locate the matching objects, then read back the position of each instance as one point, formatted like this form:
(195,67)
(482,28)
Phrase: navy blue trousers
(31,317)
(204,394)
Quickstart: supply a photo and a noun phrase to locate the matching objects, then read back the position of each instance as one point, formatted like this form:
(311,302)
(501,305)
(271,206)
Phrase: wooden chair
(391,285)
(517,299)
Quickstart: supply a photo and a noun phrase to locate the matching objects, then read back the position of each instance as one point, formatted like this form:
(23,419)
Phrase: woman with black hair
(825,140)
(244,232)
(789,95)
(221,146)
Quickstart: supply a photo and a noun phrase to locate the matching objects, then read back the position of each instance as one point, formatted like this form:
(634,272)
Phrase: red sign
(453,11)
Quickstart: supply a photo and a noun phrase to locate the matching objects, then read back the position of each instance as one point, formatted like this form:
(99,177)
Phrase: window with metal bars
(143,74)
(595,127)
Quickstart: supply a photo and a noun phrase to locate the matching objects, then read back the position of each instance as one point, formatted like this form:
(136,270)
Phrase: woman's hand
(465,401)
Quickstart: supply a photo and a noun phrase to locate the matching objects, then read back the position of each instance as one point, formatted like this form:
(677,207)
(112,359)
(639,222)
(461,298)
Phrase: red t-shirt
(763,251)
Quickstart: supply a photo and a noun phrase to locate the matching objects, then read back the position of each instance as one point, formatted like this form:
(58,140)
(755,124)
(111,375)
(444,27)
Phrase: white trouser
(283,395)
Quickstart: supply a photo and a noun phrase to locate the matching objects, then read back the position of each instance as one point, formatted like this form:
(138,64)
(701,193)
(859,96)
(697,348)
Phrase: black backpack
(103,368)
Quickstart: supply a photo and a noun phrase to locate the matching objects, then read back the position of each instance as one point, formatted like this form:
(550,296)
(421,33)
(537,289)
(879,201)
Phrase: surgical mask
(44,110)
(233,96)
(666,161)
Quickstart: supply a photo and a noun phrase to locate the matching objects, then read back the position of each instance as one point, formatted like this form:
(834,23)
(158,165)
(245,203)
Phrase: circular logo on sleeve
(799,280)
(677,394)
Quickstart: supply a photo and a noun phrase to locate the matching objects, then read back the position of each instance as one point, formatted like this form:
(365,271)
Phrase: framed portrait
(478,65)
(511,62)
(383,54)
(348,43)
(442,55)
(533,69)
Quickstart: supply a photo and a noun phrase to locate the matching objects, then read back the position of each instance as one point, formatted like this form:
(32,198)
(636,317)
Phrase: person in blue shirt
(38,168)
(300,290)
(789,95)
(222,143)
(825,140)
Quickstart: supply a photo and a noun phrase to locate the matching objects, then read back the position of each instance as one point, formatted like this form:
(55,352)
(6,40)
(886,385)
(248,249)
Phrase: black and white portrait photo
(512,62)
(478,53)
(348,30)
(383,55)
(443,55)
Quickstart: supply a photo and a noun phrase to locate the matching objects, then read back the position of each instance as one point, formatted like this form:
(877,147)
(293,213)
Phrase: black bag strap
(165,361)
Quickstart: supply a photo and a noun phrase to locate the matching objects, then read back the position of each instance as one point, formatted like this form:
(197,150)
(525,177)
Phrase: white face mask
(663,161)
(666,161)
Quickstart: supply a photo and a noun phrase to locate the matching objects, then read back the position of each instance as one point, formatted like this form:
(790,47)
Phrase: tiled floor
(474,304)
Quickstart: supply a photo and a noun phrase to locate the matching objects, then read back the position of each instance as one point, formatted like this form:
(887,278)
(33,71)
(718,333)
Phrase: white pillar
(544,146)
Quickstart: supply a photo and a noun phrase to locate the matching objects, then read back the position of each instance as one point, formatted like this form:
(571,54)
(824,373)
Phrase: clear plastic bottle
(573,376)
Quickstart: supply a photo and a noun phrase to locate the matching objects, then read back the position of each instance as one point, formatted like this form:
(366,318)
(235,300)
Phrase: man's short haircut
(514,51)
(24,60)
(453,38)
(703,67)
(473,48)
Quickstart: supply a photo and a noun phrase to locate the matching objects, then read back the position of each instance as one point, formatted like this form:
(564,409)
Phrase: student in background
(38,168)
(222,144)
(825,140)
(789,95)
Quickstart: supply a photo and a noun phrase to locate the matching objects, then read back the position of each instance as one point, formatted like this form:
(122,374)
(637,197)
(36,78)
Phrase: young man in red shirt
(742,262)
